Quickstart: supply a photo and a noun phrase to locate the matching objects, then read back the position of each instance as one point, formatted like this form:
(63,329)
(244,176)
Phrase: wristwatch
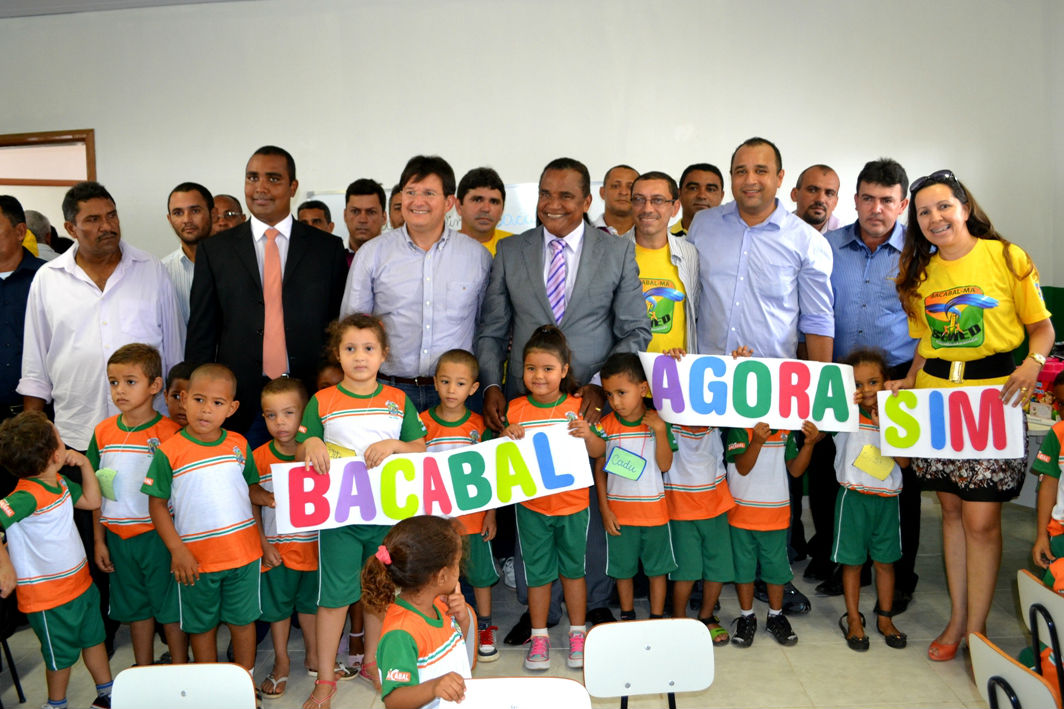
(1040,358)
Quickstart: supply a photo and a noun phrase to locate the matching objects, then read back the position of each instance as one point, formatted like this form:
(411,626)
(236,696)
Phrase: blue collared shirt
(429,301)
(761,284)
(867,310)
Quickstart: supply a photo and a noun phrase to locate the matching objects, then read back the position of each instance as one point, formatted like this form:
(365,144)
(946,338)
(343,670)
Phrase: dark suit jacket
(606,313)
(226,307)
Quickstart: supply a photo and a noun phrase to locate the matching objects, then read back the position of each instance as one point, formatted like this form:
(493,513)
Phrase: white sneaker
(508,578)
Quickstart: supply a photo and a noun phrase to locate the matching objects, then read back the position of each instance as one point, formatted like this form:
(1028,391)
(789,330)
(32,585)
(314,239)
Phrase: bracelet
(1040,358)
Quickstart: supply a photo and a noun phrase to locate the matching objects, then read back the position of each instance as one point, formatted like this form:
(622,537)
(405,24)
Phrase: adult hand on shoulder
(592,401)
(495,408)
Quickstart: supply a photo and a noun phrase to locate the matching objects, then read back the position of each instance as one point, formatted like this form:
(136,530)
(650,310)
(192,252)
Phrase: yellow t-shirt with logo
(975,306)
(665,298)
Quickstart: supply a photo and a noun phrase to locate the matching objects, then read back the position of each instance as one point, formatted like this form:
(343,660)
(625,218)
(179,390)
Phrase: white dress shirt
(180,269)
(258,238)
(72,328)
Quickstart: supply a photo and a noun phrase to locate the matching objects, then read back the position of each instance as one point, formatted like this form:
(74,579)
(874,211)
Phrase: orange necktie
(274,352)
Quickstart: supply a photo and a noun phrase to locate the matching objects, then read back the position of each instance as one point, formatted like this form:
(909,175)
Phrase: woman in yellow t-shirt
(970,296)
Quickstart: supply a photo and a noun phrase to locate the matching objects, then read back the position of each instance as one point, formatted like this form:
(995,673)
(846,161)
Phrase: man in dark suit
(228,308)
(604,312)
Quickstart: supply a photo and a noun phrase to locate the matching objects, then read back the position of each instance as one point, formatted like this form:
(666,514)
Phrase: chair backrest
(989,661)
(648,657)
(193,686)
(522,693)
(1031,591)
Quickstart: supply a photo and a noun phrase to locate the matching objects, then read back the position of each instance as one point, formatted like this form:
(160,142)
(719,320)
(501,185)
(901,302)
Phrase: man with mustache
(701,187)
(189,210)
(817,194)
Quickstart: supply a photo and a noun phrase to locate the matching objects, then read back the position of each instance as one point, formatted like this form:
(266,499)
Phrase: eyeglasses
(656,201)
(943,177)
(231,214)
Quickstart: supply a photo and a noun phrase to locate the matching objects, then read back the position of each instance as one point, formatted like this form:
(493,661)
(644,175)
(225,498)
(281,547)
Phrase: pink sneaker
(576,650)
(538,657)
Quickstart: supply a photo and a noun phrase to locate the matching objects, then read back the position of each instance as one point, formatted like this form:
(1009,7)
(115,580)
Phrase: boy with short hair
(759,460)
(126,543)
(451,425)
(289,580)
(47,559)
(628,480)
(176,386)
(209,475)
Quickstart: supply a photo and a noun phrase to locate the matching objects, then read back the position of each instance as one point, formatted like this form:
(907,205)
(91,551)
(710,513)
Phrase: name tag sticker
(106,478)
(625,464)
(873,462)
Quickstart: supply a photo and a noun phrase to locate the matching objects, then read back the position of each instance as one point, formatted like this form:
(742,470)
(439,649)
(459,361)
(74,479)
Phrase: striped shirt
(696,487)
(179,267)
(207,485)
(762,496)
(415,648)
(128,451)
(640,502)
(532,415)
(447,435)
(298,550)
(45,549)
(848,446)
(356,421)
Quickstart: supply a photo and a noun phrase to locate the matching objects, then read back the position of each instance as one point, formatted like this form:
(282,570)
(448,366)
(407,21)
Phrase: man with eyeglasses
(424,281)
(668,265)
(227,213)
(701,187)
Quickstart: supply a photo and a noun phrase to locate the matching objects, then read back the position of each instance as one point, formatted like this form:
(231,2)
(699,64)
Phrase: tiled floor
(819,672)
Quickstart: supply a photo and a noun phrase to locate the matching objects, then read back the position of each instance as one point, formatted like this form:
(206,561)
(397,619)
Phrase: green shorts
(341,554)
(703,549)
(750,546)
(140,584)
(866,525)
(478,567)
(285,590)
(66,630)
(650,545)
(230,596)
(552,546)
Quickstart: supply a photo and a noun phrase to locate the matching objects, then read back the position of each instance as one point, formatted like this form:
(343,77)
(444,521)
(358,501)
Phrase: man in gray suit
(604,312)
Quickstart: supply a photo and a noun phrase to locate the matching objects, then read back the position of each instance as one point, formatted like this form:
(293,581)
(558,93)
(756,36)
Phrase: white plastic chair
(663,656)
(997,674)
(522,693)
(1042,609)
(218,685)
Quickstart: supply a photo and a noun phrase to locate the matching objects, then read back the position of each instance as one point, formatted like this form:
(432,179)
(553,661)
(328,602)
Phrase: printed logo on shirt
(153,445)
(474,436)
(570,416)
(149,482)
(1044,458)
(302,429)
(6,508)
(393,408)
(397,676)
(737,445)
(955,316)
(661,297)
(239,455)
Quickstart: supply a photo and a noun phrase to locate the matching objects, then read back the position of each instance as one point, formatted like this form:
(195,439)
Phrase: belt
(995,365)
(408,381)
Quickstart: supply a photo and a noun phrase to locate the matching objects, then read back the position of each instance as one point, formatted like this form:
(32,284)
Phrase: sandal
(315,703)
(369,674)
(858,644)
(341,671)
(942,652)
(899,639)
(270,684)
(354,661)
(718,634)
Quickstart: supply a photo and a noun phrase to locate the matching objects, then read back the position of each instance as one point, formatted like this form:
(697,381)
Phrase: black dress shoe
(760,591)
(831,587)
(521,632)
(901,601)
(819,570)
(595,616)
(794,601)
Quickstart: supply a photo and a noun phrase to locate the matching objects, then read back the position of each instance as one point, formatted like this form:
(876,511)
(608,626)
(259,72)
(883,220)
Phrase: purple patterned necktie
(556,279)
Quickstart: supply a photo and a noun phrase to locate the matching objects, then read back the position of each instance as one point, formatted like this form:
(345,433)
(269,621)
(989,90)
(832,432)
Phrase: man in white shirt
(816,195)
(188,209)
(616,192)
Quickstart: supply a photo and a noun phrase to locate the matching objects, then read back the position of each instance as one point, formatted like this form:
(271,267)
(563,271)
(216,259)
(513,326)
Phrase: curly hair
(419,548)
(27,443)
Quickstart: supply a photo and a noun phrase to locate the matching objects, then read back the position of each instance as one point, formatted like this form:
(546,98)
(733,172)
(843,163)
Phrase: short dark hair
(315,204)
(885,172)
(753,143)
(285,385)
(396,189)
(274,150)
(459,356)
(869,355)
(819,166)
(622,166)
(11,208)
(421,166)
(193,187)
(213,370)
(624,363)
(232,199)
(82,192)
(570,164)
(27,443)
(481,177)
(550,339)
(181,370)
(364,186)
(145,356)
(701,167)
(659,175)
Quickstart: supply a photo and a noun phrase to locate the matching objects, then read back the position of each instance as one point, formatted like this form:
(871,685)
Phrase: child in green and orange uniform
(209,476)
(127,544)
(451,425)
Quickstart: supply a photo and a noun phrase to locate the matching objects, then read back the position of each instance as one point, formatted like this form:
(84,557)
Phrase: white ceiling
(28,8)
